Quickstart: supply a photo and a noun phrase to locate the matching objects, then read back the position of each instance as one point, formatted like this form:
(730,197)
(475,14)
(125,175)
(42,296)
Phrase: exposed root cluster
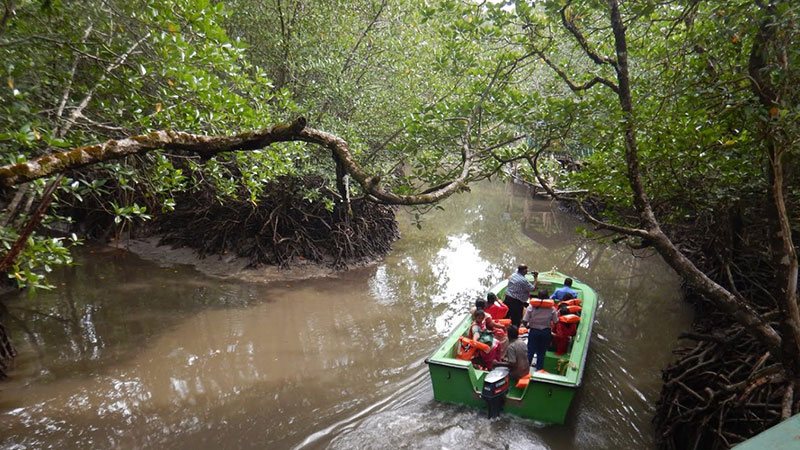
(719,392)
(282,227)
(725,386)
(7,352)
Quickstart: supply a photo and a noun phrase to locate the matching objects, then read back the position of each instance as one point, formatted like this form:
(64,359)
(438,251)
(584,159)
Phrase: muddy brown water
(130,353)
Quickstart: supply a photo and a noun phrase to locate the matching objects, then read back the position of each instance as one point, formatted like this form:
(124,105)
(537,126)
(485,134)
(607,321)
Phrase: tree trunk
(10,258)
(726,300)
(782,249)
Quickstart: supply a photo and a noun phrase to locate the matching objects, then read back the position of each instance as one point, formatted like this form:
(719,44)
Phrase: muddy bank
(282,236)
(230,266)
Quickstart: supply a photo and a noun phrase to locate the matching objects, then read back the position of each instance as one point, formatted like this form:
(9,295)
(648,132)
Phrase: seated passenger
(499,329)
(482,331)
(565,302)
(490,319)
(479,304)
(495,307)
(566,289)
(515,357)
(563,331)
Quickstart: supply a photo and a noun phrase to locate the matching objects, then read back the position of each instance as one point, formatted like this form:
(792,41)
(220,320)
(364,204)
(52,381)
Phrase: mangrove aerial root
(7,352)
(283,227)
(725,386)
(719,392)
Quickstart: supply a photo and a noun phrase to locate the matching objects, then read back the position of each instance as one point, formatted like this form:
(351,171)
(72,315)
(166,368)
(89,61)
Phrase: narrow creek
(130,353)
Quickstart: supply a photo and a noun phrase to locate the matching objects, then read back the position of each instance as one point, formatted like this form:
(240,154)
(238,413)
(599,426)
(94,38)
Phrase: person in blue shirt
(562,291)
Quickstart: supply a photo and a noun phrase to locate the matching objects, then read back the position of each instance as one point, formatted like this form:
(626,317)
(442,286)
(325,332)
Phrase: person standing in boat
(539,319)
(518,292)
(562,291)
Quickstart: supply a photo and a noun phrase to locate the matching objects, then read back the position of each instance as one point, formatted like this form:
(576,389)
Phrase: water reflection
(135,355)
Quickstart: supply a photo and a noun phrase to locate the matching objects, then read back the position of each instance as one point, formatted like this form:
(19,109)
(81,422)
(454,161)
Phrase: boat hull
(543,402)
(547,397)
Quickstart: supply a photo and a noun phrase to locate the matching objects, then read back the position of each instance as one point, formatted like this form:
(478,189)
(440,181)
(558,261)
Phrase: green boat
(547,396)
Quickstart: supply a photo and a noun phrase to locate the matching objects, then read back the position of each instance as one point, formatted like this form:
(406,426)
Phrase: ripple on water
(157,358)
(436,426)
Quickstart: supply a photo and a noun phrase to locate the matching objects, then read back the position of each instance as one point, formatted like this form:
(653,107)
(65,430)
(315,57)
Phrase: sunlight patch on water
(381,286)
(459,267)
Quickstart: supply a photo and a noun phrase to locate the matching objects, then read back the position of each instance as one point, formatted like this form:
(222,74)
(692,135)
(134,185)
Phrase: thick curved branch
(724,299)
(570,83)
(371,184)
(208,146)
(586,214)
(570,26)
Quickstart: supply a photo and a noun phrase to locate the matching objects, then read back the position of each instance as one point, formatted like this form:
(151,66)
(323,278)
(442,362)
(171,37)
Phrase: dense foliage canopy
(681,114)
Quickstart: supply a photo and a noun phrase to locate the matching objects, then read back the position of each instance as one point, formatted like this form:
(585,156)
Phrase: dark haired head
(568,282)
(480,303)
(563,309)
(522,268)
(513,332)
(568,296)
(478,313)
(491,298)
(543,293)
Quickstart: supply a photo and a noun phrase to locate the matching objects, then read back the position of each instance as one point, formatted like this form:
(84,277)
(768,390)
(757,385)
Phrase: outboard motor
(495,386)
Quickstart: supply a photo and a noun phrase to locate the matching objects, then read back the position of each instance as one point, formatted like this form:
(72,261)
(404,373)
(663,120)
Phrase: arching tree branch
(209,146)
(570,26)
(571,84)
(533,161)
(727,301)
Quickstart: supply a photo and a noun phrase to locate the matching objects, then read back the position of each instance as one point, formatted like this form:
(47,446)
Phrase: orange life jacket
(526,380)
(523,382)
(467,347)
(542,302)
(504,322)
(569,318)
